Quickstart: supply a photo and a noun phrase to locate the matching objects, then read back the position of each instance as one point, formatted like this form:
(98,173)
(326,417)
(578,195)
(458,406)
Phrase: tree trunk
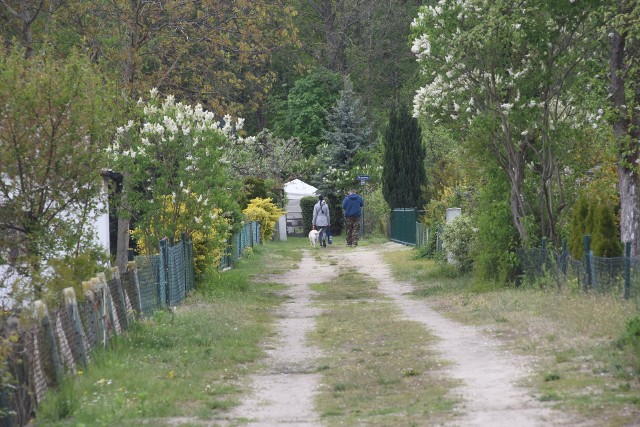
(122,248)
(629,209)
(627,145)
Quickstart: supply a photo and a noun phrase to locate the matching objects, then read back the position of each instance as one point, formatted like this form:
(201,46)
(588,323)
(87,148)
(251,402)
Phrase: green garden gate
(403,225)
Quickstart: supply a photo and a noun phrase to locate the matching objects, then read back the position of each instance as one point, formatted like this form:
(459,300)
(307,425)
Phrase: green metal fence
(403,225)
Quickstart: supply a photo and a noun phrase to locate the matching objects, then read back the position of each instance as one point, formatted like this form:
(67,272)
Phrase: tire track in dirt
(489,375)
(284,394)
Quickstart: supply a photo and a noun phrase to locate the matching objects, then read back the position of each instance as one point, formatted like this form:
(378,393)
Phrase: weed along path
(284,393)
(488,375)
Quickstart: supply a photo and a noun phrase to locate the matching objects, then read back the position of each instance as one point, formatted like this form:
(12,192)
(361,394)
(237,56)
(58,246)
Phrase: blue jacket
(352,205)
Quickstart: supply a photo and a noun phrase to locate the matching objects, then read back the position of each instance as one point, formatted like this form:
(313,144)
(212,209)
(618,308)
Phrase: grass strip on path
(187,363)
(572,336)
(377,369)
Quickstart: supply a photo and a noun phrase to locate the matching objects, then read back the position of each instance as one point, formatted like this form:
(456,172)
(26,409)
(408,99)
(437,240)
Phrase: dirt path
(283,395)
(489,375)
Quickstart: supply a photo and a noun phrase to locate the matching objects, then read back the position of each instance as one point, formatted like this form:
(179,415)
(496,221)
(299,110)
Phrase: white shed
(294,191)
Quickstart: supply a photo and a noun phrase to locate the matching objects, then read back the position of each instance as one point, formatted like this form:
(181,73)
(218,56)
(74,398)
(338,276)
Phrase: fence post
(109,306)
(586,240)
(132,274)
(164,265)
(79,343)
(627,270)
(565,257)
(42,315)
(121,303)
(92,323)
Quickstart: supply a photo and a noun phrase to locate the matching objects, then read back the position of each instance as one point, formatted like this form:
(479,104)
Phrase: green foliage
(377,213)
(209,236)
(265,156)
(494,257)
(347,129)
(308,104)
(404,177)
(306,205)
(253,187)
(458,239)
(175,177)
(54,128)
(630,342)
(60,405)
(444,163)
(594,216)
(335,212)
(507,91)
(71,271)
(266,213)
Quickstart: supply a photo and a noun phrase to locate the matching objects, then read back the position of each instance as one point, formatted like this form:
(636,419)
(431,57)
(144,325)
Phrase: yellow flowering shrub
(208,231)
(266,213)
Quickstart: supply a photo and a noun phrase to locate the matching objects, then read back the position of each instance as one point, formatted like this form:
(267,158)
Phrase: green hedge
(335,213)
(306,205)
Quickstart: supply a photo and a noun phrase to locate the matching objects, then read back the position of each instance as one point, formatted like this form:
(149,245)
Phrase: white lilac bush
(176,176)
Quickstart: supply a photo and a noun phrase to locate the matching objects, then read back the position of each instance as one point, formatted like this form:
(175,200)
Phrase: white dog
(313,237)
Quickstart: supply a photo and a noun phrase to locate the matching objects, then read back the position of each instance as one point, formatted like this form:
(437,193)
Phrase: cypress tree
(403,177)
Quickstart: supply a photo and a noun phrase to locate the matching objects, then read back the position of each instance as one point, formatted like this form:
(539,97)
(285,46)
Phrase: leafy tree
(265,156)
(494,257)
(174,158)
(509,76)
(308,104)
(403,178)
(22,17)
(53,133)
(624,112)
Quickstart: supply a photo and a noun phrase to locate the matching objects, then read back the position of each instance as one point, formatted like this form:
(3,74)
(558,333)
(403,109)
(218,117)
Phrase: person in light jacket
(321,220)
(352,207)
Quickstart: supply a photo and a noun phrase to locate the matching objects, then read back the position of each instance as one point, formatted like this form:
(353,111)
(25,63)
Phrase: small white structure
(294,191)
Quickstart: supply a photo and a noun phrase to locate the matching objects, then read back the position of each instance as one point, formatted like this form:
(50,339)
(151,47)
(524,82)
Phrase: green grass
(571,335)
(183,364)
(378,369)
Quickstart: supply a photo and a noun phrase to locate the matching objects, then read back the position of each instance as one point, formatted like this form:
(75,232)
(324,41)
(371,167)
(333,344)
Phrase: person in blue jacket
(352,207)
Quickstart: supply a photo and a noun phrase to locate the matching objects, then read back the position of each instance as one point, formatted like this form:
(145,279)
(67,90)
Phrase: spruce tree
(348,131)
(403,176)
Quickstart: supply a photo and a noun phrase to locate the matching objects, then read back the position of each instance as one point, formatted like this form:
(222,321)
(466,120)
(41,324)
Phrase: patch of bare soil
(489,375)
(283,394)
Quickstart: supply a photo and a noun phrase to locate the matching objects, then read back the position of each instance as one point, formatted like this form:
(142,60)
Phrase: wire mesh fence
(615,275)
(61,340)
(246,237)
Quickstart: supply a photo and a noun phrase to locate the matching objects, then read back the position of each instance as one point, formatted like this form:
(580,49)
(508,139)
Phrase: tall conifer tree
(404,175)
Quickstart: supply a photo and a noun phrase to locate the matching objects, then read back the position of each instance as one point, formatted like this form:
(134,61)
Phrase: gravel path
(489,376)
(283,395)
